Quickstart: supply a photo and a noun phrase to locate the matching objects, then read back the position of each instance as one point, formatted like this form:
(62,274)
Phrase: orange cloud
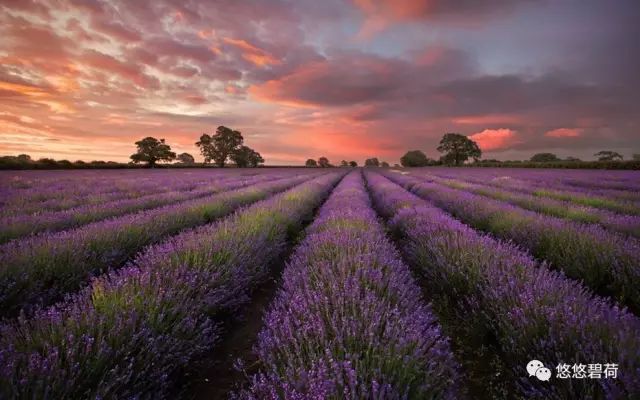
(206,33)
(495,139)
(397,9)
(382,13)
(251,53)
(564,132)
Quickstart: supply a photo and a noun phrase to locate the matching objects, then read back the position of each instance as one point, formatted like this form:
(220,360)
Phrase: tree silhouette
(544,157)
(323,162)
(371,162)
(311,163)
(414,158)
(219,147)
(353,164)
(458,148)
(186,158)
(245,156)
(151,151)
(607,155)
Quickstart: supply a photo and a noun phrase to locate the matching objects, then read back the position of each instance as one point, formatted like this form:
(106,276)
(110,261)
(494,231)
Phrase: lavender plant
(15,226)
(349,321)
(491,290)
(626,224)
(134,330)
(551,186)
(606,262)
(41,269)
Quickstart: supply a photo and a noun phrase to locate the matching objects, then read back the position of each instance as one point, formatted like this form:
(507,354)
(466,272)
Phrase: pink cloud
(380,14)
(495,139)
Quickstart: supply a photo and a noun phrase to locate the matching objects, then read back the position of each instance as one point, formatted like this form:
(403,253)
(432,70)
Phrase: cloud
(343,79)
(294,79)
(564,133)
(126,70)
(380,14)
(495,139)
(251,53)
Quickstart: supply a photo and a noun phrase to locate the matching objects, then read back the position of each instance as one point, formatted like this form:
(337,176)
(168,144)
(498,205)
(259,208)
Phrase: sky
(345,79)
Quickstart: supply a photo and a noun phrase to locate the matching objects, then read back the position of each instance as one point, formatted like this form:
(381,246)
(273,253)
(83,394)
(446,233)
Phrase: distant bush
(23,161)
(415,158)
(544,157)
(372,162)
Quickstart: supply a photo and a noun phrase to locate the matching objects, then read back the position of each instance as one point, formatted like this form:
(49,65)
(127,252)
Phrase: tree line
(223,146)
(457,149)
(227,146)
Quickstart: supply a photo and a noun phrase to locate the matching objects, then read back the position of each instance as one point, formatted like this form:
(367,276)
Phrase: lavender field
(320,283)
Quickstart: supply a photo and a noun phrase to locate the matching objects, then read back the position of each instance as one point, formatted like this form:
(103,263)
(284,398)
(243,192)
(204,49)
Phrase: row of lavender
(20,224)
(39,270)
(132,331)
(604,261)
(595,181)
(621,223)
(349,321)
(496,297)
(28,192)
(618,200)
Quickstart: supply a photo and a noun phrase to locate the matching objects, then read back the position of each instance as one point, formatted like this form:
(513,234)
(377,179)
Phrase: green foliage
(544,157)
(219,147)
(186,158)
(245,156)
(415,158)
(458,148)
(151,151)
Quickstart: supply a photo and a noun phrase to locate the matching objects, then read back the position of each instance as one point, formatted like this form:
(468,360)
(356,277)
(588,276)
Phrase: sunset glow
(345,79)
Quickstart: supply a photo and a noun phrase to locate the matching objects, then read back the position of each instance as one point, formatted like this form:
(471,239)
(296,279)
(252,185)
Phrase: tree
(151,151)
(344,163)
(23,158)
(255,159)
(371,162)
(245,156)
(219,147)
(353,164)
(414,158)
(572,159)
(311,163)
(186,158)
(607,155)
(323,162)
(544,157)
(384,164)
(636,156)
(458,148)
